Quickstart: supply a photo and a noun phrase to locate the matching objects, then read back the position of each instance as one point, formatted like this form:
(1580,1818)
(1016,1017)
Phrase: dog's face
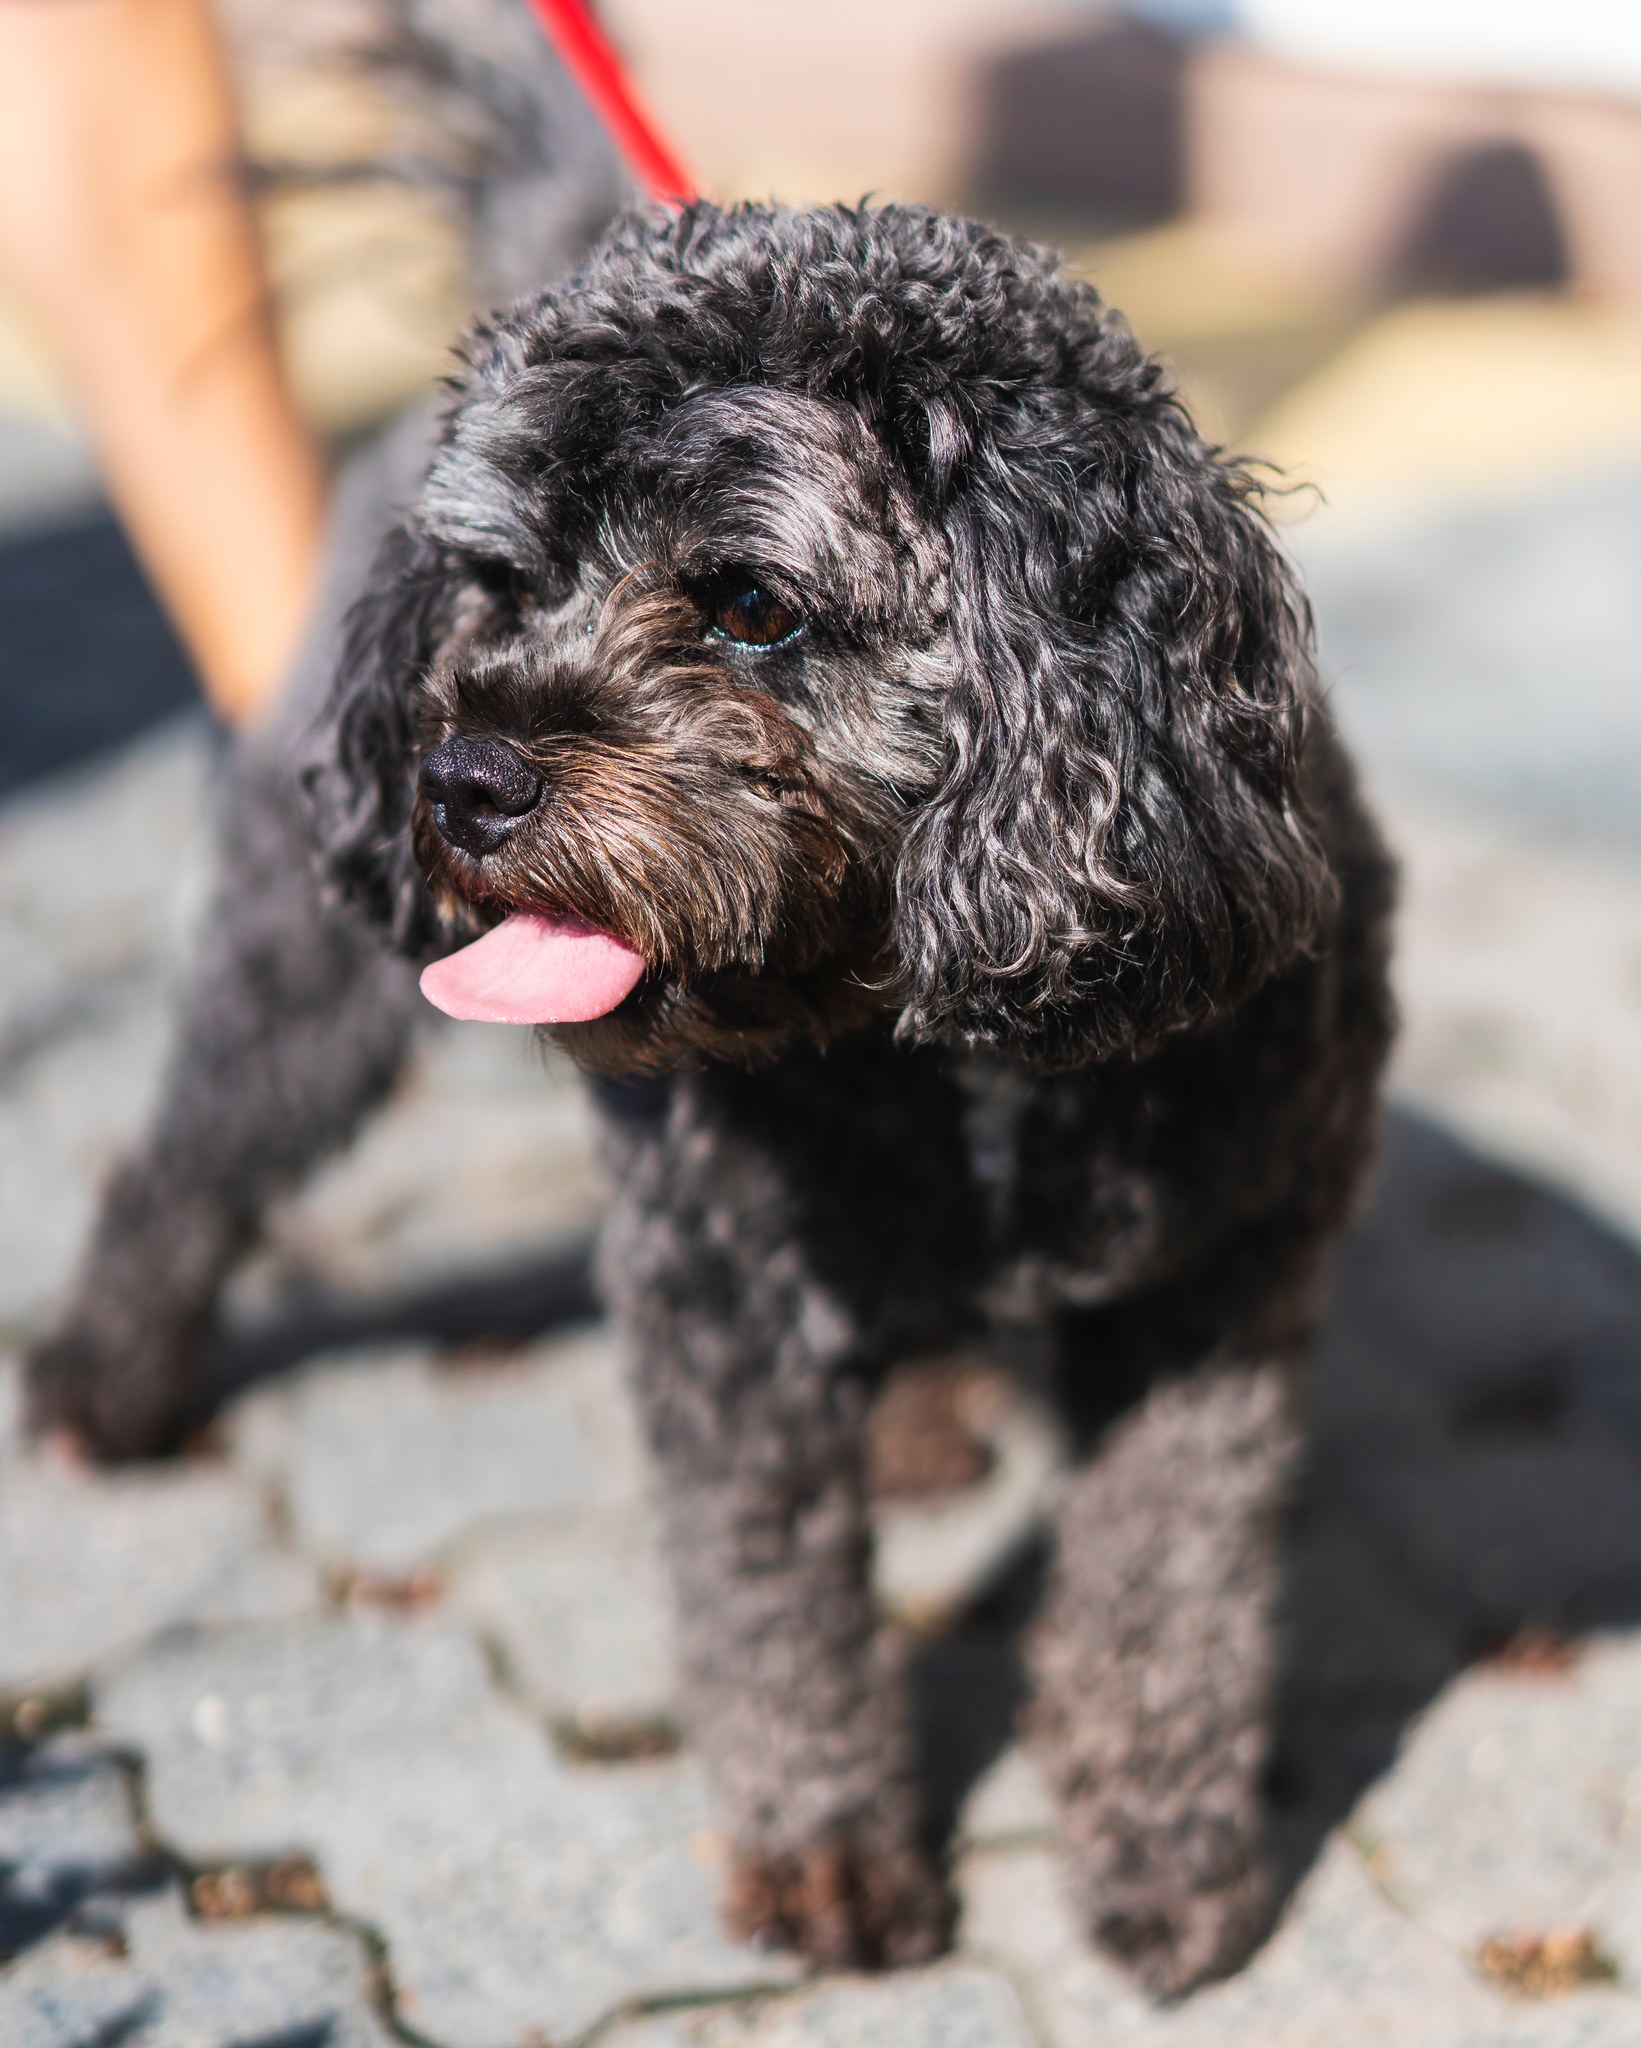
(702,720)
(836,610)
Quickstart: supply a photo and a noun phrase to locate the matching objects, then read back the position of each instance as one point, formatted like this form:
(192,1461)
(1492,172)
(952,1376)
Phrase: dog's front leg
(755,1415)
(792,1692)
(1154,1668)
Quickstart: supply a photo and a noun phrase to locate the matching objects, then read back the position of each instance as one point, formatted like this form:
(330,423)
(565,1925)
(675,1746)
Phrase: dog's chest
(1071,1210)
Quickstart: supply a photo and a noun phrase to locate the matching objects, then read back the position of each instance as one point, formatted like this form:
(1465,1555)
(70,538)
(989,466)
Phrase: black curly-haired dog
(830,666)
(836,613)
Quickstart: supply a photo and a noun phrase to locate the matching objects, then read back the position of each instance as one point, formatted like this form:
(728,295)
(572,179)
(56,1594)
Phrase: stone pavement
(358,1725)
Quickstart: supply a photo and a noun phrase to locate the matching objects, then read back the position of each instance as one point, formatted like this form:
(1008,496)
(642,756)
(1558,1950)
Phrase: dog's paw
(849,1902)
(104,1409)
(1179,1923)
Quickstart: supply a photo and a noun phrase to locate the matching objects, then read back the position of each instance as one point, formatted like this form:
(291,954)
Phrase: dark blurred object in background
(1089,127)
(1260,201)
(1489,223)
(1381,181)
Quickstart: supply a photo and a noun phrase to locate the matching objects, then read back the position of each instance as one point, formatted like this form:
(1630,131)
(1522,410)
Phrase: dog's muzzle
(478,790)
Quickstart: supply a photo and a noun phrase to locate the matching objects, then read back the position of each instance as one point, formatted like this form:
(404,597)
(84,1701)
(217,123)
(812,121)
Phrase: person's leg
(125,224)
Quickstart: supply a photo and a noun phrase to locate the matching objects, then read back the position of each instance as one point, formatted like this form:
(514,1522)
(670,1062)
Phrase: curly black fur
(1087,665)
(1013,931)
(1037,825)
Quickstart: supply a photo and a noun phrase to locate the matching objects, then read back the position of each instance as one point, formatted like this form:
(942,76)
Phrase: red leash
(598,71)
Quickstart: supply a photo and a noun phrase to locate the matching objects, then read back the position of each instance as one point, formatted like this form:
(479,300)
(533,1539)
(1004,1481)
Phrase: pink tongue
(535,970)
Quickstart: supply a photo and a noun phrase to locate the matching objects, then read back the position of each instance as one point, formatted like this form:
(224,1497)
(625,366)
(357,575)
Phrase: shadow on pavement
(87,658)
(503,1306)
(72,1894)
(1475,1462)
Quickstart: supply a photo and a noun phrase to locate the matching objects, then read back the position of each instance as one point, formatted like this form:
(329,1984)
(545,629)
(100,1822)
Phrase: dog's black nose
(479,790)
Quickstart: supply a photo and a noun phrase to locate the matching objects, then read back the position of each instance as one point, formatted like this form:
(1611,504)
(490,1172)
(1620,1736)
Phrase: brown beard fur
(684,812)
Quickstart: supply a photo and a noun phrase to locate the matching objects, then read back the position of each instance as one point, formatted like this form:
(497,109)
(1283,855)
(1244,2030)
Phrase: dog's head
(837,609)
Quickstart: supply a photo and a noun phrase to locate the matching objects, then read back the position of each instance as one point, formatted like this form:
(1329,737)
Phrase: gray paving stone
(11,1409)
(514,1892)
(1476,1407)
(386,1459)
(1014,1917)
(1516,1807)
(100,873)
(158,1979)
(1342,1968)
(62,1128)
(1345,1965)
(483,1160)
(953,2007)
(583,1617)
(244,1732)
(932,1558)
(100,870)
(1618,1920)
(92,1565)
(1491,650)
(1365,1391)
(68,1836)
(1521,1007)
(91,659)
(1594,2020)
(1010,1804)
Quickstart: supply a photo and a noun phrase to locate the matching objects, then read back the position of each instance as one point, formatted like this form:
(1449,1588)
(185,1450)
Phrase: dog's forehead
(751,472)
(776,477)
(716,435)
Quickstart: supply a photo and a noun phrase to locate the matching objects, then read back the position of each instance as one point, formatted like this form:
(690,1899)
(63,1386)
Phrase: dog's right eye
(743,612)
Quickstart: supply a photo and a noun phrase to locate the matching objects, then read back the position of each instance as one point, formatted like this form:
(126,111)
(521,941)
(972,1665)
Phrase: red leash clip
(598,71)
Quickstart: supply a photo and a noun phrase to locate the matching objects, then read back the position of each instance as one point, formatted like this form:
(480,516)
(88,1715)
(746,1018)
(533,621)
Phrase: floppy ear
(359,767)
(1120,842)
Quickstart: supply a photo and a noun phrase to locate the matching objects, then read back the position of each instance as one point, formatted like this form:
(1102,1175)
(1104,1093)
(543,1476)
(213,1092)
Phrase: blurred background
(1394,248)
